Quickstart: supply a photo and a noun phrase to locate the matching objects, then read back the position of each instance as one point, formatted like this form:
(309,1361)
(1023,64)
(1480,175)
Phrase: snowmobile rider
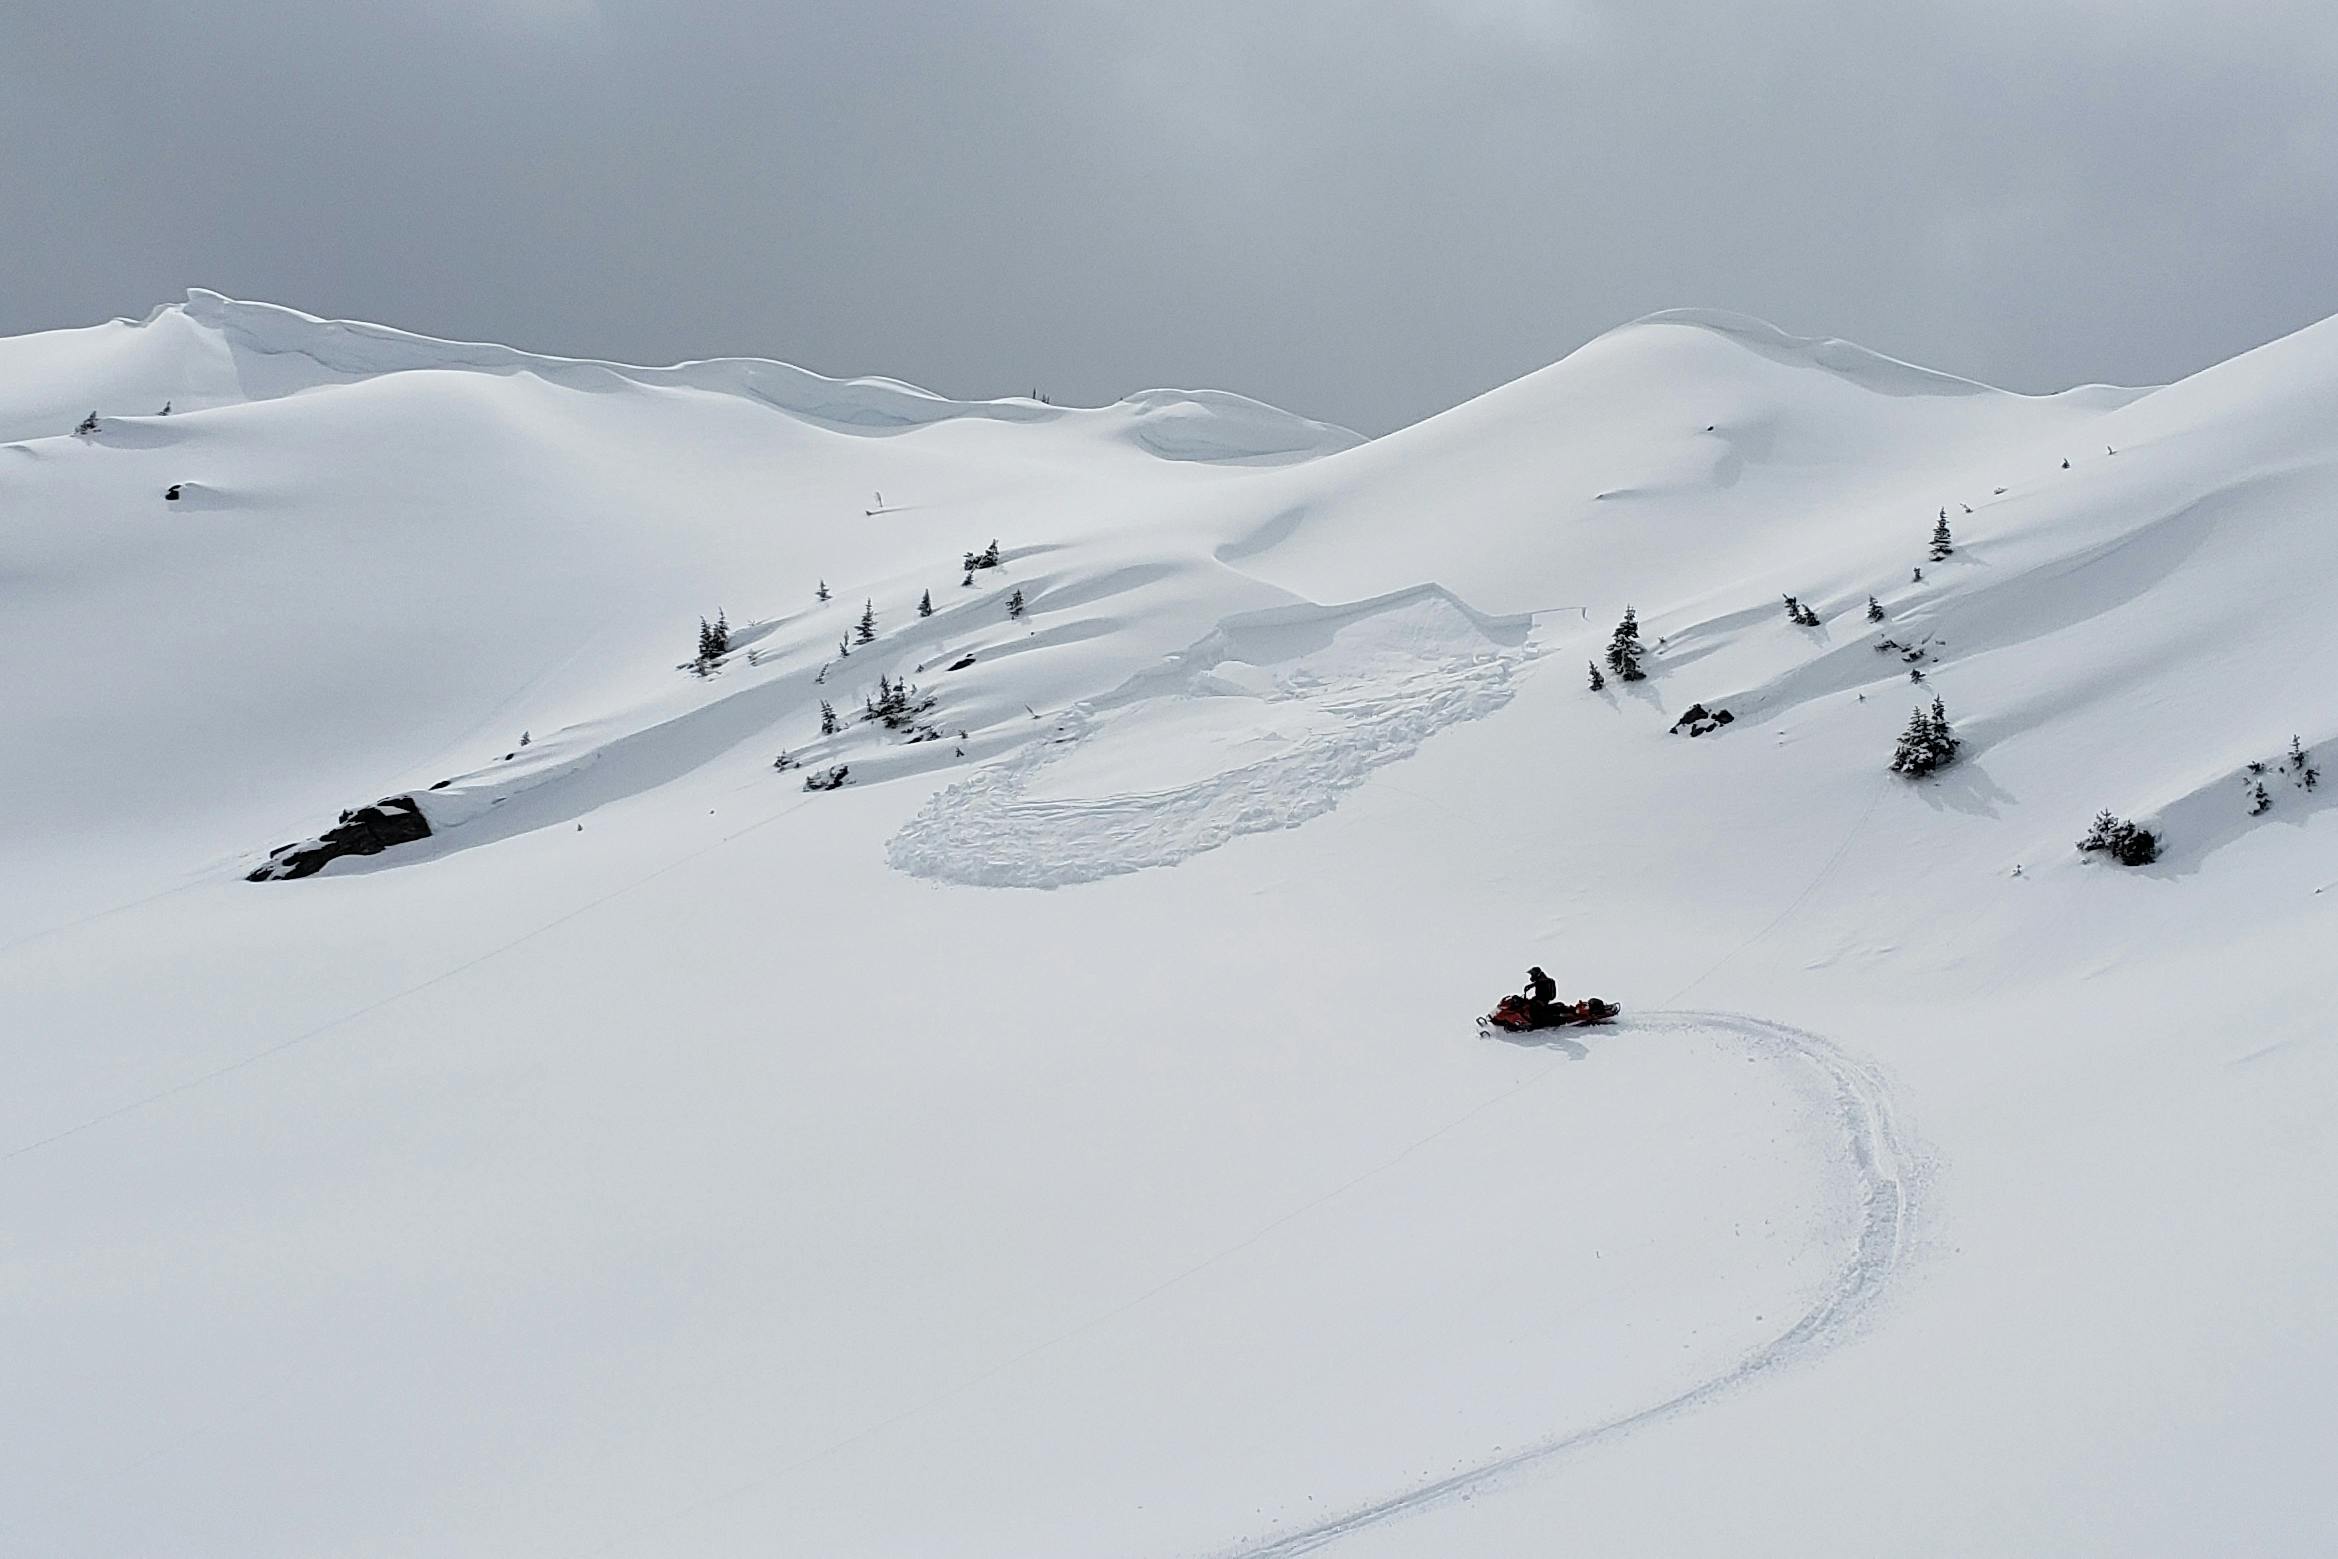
(1541,993)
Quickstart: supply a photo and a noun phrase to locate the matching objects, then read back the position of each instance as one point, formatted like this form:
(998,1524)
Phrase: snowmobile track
(1874,1153)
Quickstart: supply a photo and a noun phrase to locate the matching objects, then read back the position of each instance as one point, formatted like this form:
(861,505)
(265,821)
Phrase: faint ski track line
(302,1038)
(722,1496)
(1799,899)
(1864,1109)
(1874,1147)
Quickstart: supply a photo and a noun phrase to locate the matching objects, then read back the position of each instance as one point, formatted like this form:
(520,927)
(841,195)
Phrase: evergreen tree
(925,604)
(1598,682)
(1918,578)
(828,725)
(1912,754)
(1941,546)
(844,647)
(2123,841)
(868,623)
(1623,649)
(1927,743)
(990,554)
(1793,611)
(1874,610)
(822,592)
(2260,799)
(714,641)
(1015,605)
(969,579)
(87,424)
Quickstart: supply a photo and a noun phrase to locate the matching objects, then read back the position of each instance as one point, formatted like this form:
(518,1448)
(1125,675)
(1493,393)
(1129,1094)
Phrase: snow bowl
(1264,724)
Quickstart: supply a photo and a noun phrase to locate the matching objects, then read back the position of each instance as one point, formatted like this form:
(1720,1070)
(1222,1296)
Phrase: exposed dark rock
(962,663)
(172,492)
(364,831)
(1698,720)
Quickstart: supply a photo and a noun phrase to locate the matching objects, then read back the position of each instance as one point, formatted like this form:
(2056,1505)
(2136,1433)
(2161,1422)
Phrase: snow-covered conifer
(1623,649)
(867,629)
(2121,840)
(828,722)
(1015,606)
(925,604)
(1941,545)
(1874,610)
(1598,682)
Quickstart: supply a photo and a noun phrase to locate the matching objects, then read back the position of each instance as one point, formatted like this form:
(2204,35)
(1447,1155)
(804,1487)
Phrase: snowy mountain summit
(708,960)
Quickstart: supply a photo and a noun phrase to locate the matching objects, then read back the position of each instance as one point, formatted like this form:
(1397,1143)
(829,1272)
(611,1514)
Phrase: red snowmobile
(1516,1015)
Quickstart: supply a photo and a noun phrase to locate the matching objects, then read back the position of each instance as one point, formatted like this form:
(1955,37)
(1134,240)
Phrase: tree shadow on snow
(1965,786)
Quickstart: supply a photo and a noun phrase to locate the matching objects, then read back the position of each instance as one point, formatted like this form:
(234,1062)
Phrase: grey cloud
(1365,211)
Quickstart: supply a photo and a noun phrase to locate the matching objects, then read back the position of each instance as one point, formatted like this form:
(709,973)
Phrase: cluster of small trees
(988,557)
(2297,763)
(714,642)
(895,705)
(1799,615)
(2122,841)
(1927,744)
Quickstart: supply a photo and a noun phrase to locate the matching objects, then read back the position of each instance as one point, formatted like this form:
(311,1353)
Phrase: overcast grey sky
(1364,211)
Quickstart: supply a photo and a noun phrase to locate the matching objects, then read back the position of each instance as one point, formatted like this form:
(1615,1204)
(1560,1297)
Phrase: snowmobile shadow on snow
(1539,1039)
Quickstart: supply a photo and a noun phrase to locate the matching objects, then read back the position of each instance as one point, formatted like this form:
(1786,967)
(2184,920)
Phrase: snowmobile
(1515,1016)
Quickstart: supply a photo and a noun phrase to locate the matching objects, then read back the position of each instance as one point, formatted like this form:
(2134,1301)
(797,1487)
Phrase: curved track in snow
(1873,1153)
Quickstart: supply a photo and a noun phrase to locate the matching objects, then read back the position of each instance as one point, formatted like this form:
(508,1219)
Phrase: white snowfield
(1069,1136)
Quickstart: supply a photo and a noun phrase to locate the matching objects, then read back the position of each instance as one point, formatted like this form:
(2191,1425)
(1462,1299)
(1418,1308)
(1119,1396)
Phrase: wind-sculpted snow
(1263,725)
(268,341)
(1884,1177)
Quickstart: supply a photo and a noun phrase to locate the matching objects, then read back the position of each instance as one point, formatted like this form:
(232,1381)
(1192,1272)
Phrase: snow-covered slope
(664,1158)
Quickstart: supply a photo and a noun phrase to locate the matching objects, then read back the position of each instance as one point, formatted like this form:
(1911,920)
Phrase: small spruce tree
(1598,682)
(822,592)
(1874,610)
(867,630)
(1941,545)
(87,424)
(925,604)
(828,724)
(1623,649)
(2260,799)
(1015,606)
